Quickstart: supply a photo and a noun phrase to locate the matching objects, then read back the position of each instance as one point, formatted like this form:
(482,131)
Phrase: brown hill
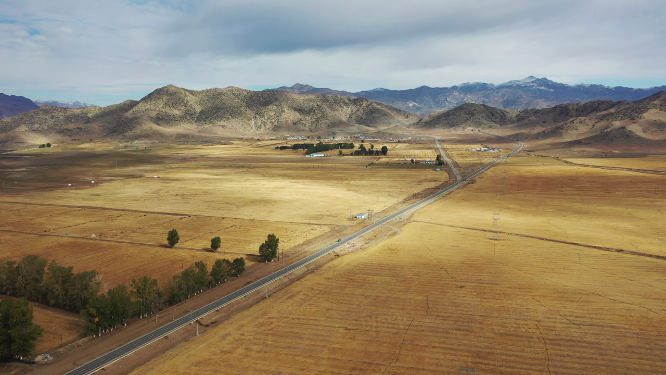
(597,123)
(618,136)
(171,112)
(468,115)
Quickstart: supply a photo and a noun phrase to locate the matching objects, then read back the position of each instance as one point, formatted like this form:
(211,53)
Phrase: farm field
(443,293)
(240,191)
(472,159)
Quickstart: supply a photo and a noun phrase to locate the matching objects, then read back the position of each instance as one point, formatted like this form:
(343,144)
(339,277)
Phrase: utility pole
(496,218)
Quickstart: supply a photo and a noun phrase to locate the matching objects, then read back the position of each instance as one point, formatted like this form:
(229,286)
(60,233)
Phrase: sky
(107,51)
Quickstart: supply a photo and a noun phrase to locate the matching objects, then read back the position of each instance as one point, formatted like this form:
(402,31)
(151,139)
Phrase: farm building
(360,216)
(316,155)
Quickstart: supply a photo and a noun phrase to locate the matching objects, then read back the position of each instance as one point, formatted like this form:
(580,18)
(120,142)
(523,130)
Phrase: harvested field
(130,245)
(444,294)
(240,191)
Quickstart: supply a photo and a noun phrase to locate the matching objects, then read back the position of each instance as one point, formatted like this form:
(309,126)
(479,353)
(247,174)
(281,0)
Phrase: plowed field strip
(105,240)
(602,248)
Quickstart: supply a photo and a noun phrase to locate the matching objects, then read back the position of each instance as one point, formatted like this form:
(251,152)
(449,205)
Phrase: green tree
(42,145)
(96,314)
(48,145)
(238,266)
(17,331)
(176,290)
(439,159)
(269,249)
(201,279)
(31,270)
(189,277)
(121,304)
(83,286)
(384,150)
(340,152)
(173,238)
(146,294)
(57,281)
(215,243)
(8,278)
(220,270)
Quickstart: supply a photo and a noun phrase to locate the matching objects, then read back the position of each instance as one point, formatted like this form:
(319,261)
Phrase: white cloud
(87,48)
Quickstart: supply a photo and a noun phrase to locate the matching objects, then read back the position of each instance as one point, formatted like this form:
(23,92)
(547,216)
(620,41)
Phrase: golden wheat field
(551,294)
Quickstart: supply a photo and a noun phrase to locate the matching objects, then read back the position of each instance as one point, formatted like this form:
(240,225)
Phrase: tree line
(33,278)
(144,298)
(371,151)
(319,147)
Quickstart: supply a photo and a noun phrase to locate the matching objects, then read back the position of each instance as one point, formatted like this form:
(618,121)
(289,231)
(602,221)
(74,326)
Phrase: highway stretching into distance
(138,343)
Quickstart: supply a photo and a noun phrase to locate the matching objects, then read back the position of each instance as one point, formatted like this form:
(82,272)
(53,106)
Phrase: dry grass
(443,294)
(239,191)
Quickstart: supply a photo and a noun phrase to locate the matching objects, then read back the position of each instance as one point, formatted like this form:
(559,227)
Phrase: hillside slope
(468,115)
(171,111)
(597,123)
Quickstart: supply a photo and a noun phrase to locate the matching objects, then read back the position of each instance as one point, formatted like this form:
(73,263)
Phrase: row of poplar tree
(35,279)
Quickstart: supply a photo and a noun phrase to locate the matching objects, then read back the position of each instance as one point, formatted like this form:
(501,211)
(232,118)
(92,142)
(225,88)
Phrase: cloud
(115,48)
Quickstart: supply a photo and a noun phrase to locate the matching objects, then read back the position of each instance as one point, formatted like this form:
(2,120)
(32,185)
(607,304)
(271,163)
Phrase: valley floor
(444,293)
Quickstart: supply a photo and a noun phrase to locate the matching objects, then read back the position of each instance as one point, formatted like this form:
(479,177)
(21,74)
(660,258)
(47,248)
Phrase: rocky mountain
(307,89)
(599,122)
(642,121)
(170,112)
(58,103)
(11,105)
(519,95)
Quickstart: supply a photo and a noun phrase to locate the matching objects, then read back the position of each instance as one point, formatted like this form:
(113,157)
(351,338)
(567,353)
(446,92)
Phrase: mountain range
(174,112)
(58,103)
(530,92)
(601,122)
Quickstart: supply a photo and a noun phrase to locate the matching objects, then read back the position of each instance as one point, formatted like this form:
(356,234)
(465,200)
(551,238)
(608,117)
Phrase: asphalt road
(157,334)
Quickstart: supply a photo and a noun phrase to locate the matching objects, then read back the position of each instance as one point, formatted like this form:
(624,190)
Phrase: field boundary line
(156,212)
(140,342)
(611,168)
(602,248)
(109,240)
